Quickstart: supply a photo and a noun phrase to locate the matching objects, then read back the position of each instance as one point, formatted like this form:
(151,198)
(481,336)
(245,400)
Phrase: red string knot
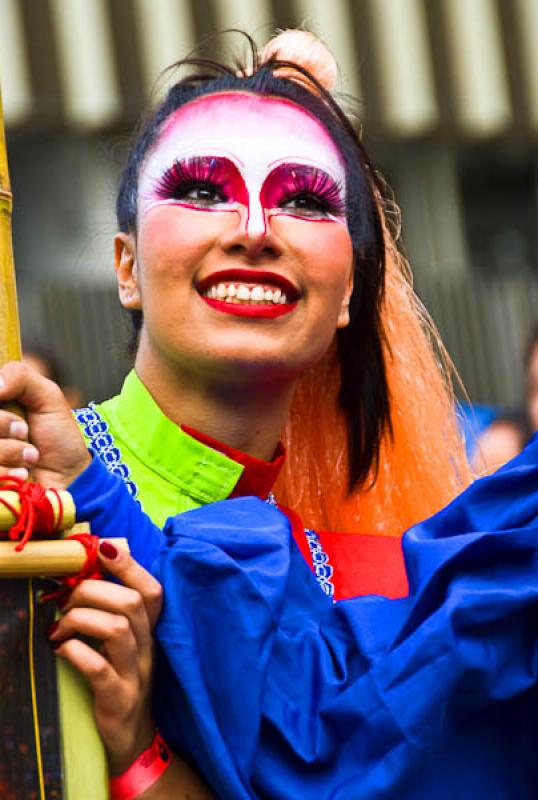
(89,570)
(36,515)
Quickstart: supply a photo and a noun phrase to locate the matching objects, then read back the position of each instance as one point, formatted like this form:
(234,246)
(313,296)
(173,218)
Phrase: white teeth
(241,293)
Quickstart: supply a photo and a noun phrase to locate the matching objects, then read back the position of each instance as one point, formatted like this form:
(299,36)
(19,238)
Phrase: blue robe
(273,691)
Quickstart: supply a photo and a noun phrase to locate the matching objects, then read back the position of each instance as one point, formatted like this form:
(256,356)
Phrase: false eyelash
(320,185)
(191,172)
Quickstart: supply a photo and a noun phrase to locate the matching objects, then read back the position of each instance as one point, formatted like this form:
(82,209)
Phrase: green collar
(161,445)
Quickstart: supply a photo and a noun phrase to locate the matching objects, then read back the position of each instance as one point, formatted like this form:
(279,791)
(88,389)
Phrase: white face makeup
(225,165)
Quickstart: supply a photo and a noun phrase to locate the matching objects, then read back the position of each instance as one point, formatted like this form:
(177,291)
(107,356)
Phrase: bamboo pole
(83,754)
(52,559)
(10,342)
(63,509)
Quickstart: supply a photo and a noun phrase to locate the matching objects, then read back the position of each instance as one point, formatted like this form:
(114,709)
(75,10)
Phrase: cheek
(172,238)
(324,248)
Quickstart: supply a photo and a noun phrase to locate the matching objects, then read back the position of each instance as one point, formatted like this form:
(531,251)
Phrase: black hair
(364,395)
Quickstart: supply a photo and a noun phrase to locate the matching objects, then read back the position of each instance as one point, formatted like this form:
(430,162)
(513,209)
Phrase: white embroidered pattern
(102,443)
(323,570)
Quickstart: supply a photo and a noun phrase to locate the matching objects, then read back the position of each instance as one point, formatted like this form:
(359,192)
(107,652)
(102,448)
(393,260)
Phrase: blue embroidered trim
(320,560)
(102,443)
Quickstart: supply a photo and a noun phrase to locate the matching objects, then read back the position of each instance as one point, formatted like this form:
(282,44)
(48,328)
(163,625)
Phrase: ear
(343,317)
(126,267)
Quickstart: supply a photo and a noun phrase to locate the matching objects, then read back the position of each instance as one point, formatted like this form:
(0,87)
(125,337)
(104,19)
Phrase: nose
(251,234)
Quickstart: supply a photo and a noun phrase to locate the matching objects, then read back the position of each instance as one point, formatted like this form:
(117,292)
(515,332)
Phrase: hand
(122,619)
(57,453)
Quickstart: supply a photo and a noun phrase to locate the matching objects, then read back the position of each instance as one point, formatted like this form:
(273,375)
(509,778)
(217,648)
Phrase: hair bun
(306,50)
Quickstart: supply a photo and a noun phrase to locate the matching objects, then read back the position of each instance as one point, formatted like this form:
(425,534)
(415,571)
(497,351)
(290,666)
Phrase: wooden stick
(10,342)
(12,499)
(52,559)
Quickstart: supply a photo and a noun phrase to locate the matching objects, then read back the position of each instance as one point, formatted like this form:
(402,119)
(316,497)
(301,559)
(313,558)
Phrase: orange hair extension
(421,468)
(423,465)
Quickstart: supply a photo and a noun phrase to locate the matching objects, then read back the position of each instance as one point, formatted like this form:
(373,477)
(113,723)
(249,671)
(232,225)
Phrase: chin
(246,365)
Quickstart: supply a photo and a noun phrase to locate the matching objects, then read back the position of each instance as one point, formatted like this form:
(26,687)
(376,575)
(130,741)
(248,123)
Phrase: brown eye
(305,203)
(201,194)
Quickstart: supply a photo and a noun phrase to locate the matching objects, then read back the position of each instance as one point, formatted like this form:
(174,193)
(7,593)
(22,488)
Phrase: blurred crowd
(495,435)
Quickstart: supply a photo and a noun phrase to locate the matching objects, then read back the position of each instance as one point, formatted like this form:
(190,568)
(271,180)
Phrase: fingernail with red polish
(108,550)
(51,630)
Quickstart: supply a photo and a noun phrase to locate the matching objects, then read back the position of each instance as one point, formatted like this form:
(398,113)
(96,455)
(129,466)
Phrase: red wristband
(143,773)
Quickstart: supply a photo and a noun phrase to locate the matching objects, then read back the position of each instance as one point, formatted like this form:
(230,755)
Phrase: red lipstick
(246,276)
(253,310)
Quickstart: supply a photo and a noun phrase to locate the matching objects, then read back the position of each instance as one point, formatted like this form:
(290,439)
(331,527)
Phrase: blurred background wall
(448,103)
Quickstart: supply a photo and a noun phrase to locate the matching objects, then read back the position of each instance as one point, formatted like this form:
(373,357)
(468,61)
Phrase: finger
(12,426)
(21,382)
(131,574)
(15,453)
(19,472)
(115,599)
(98,671)
(116,703)
(113,630)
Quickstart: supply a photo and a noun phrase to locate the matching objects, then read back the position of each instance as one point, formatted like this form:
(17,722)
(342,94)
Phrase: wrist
(121,759)
(143,772)
(77,469)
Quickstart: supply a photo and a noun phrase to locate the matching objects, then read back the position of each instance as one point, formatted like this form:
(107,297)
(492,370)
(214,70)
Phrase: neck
(248,416)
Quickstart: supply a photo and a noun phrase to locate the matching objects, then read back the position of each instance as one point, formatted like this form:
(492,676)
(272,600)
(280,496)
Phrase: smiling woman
(268,298)
(259,180)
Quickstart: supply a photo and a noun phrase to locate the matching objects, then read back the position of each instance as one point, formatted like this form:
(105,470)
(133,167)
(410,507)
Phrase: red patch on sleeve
(365,564)
(362,563)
